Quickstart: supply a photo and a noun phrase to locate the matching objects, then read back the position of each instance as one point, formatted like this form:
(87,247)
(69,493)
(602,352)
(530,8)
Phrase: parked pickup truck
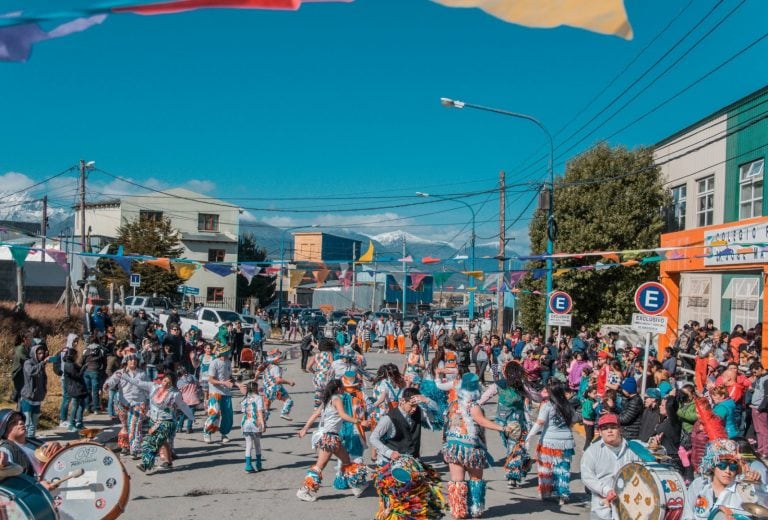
(209,319)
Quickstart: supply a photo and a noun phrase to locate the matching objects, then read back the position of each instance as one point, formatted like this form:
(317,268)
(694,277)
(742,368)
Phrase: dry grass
(54,327)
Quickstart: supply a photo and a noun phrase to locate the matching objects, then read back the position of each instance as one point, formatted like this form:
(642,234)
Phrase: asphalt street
(208,481)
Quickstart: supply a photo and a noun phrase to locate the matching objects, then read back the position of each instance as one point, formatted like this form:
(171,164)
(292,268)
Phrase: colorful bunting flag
(430,260)
(367,257)
(185,270)
(219,268)
(248,271)
(416,279)
(162,263)
(19,254)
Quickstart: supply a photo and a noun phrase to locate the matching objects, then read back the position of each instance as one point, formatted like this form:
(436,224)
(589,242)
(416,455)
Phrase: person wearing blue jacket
(725,408)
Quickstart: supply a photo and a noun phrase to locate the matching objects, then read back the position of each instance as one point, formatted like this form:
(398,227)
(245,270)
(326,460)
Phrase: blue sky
(342,100)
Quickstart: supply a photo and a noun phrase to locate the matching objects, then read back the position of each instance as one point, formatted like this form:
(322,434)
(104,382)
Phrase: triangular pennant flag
(630,263)
(560,272)
(124,262)
(296,276)
(611,256)
(407,259)
(163,263)
(19,254)
(585,267)
(120,251)
(248,271)
(460,257)
(651,259)
(492,282)
(441,277)
(599,266)
(399,279)
(185,270)
(219,269)
(511,279)
(321,276)
(416,279)
(537,274)
(368,255)
(89,260)
(430,260)
(60,257)
(477,275)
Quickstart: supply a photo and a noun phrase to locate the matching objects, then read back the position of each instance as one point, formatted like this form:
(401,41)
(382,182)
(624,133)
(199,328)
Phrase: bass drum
(726,513)
(101,492)
(22,498)
(649,492)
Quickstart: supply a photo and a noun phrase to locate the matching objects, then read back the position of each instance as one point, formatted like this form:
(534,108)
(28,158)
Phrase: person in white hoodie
(601,462)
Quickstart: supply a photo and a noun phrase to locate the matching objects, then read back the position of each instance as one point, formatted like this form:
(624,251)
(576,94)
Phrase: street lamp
(282,259)
(551,226)
(471,248)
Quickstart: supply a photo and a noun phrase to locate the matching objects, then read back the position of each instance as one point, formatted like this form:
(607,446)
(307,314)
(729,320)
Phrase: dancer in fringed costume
(327,441)
(352,435)
(274,383)
(131,404)
(556,446)
(512,392)
(442,370)
(320,366)
(253,425)
(465,449)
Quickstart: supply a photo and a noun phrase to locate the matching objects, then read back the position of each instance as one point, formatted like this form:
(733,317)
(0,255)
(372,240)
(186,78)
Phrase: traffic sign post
(135,281)
(560,306)
(651,299)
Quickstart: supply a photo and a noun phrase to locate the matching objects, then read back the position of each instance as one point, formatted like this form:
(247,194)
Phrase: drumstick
(72,474)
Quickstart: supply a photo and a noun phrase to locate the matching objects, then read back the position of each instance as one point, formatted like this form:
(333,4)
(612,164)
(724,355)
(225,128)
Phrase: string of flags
(21,28)
(327,271)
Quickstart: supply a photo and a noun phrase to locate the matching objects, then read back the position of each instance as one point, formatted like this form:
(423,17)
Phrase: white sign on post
(560,320)
(649,323)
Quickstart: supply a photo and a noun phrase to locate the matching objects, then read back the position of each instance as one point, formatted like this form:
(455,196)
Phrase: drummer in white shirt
(601,462)
(16,449)
(716,486)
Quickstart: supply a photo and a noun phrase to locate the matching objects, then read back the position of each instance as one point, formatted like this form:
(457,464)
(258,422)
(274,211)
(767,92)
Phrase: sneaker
(141,467)
(562,501)
(71,429)
(207,438)
(286,418)
(224,439)
(306,495)
(64,424)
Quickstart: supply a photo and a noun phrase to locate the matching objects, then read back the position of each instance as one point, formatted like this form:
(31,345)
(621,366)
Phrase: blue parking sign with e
(560,302)
(651,298)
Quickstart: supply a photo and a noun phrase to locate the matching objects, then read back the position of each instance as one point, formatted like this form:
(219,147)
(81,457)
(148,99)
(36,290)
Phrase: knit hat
(717,451)
(653,393)
(274,356)
(470,383)
(349,379)
(629,385)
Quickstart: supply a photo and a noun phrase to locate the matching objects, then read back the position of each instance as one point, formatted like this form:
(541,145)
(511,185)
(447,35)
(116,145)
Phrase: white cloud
(200,186)
(15,181)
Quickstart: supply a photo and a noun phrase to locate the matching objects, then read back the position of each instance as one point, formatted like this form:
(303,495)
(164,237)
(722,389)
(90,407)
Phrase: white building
(208,227)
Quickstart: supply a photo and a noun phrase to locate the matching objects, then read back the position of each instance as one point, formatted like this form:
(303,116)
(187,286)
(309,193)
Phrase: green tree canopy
(261,287)
(150,237)
(608,199)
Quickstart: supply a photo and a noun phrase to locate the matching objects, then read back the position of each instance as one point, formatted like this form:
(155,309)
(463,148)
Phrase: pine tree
(261,287)
(150,237)
(608,199)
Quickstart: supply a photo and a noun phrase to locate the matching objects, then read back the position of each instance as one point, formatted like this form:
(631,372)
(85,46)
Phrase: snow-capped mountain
(391,238)
(21,207)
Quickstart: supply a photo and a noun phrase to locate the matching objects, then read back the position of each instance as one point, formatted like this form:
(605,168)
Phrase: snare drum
(101,492)
(649,492)
(22,498)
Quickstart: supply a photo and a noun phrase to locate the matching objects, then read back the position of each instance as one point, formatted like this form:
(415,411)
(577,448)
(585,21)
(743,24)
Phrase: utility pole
(405,285)
(82,205)
(502,250)
(44,223)
(354,280)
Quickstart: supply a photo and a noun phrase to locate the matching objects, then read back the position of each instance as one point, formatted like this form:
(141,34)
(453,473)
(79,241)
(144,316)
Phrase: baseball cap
(604,354)
(608,419)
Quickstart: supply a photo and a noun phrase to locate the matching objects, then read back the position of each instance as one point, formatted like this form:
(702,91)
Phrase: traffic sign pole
(651,298)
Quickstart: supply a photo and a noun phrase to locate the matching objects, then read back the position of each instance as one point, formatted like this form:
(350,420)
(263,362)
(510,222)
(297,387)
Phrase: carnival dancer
(253,425)
(513,393)
(164,401)
(556,446)
(131,403)
(414,366)
(388,386)
(465,449)
(220,383)
(442,367)
(321,367)
(327,441)
(352,436)
(397,439)
(205,359)
(274,383)
(349,360)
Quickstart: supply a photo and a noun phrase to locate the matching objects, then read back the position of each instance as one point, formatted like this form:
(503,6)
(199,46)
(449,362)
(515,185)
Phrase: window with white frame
(751,189)
(705,201)
(696,298)
(679,196)
(207,222)
(745,296)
